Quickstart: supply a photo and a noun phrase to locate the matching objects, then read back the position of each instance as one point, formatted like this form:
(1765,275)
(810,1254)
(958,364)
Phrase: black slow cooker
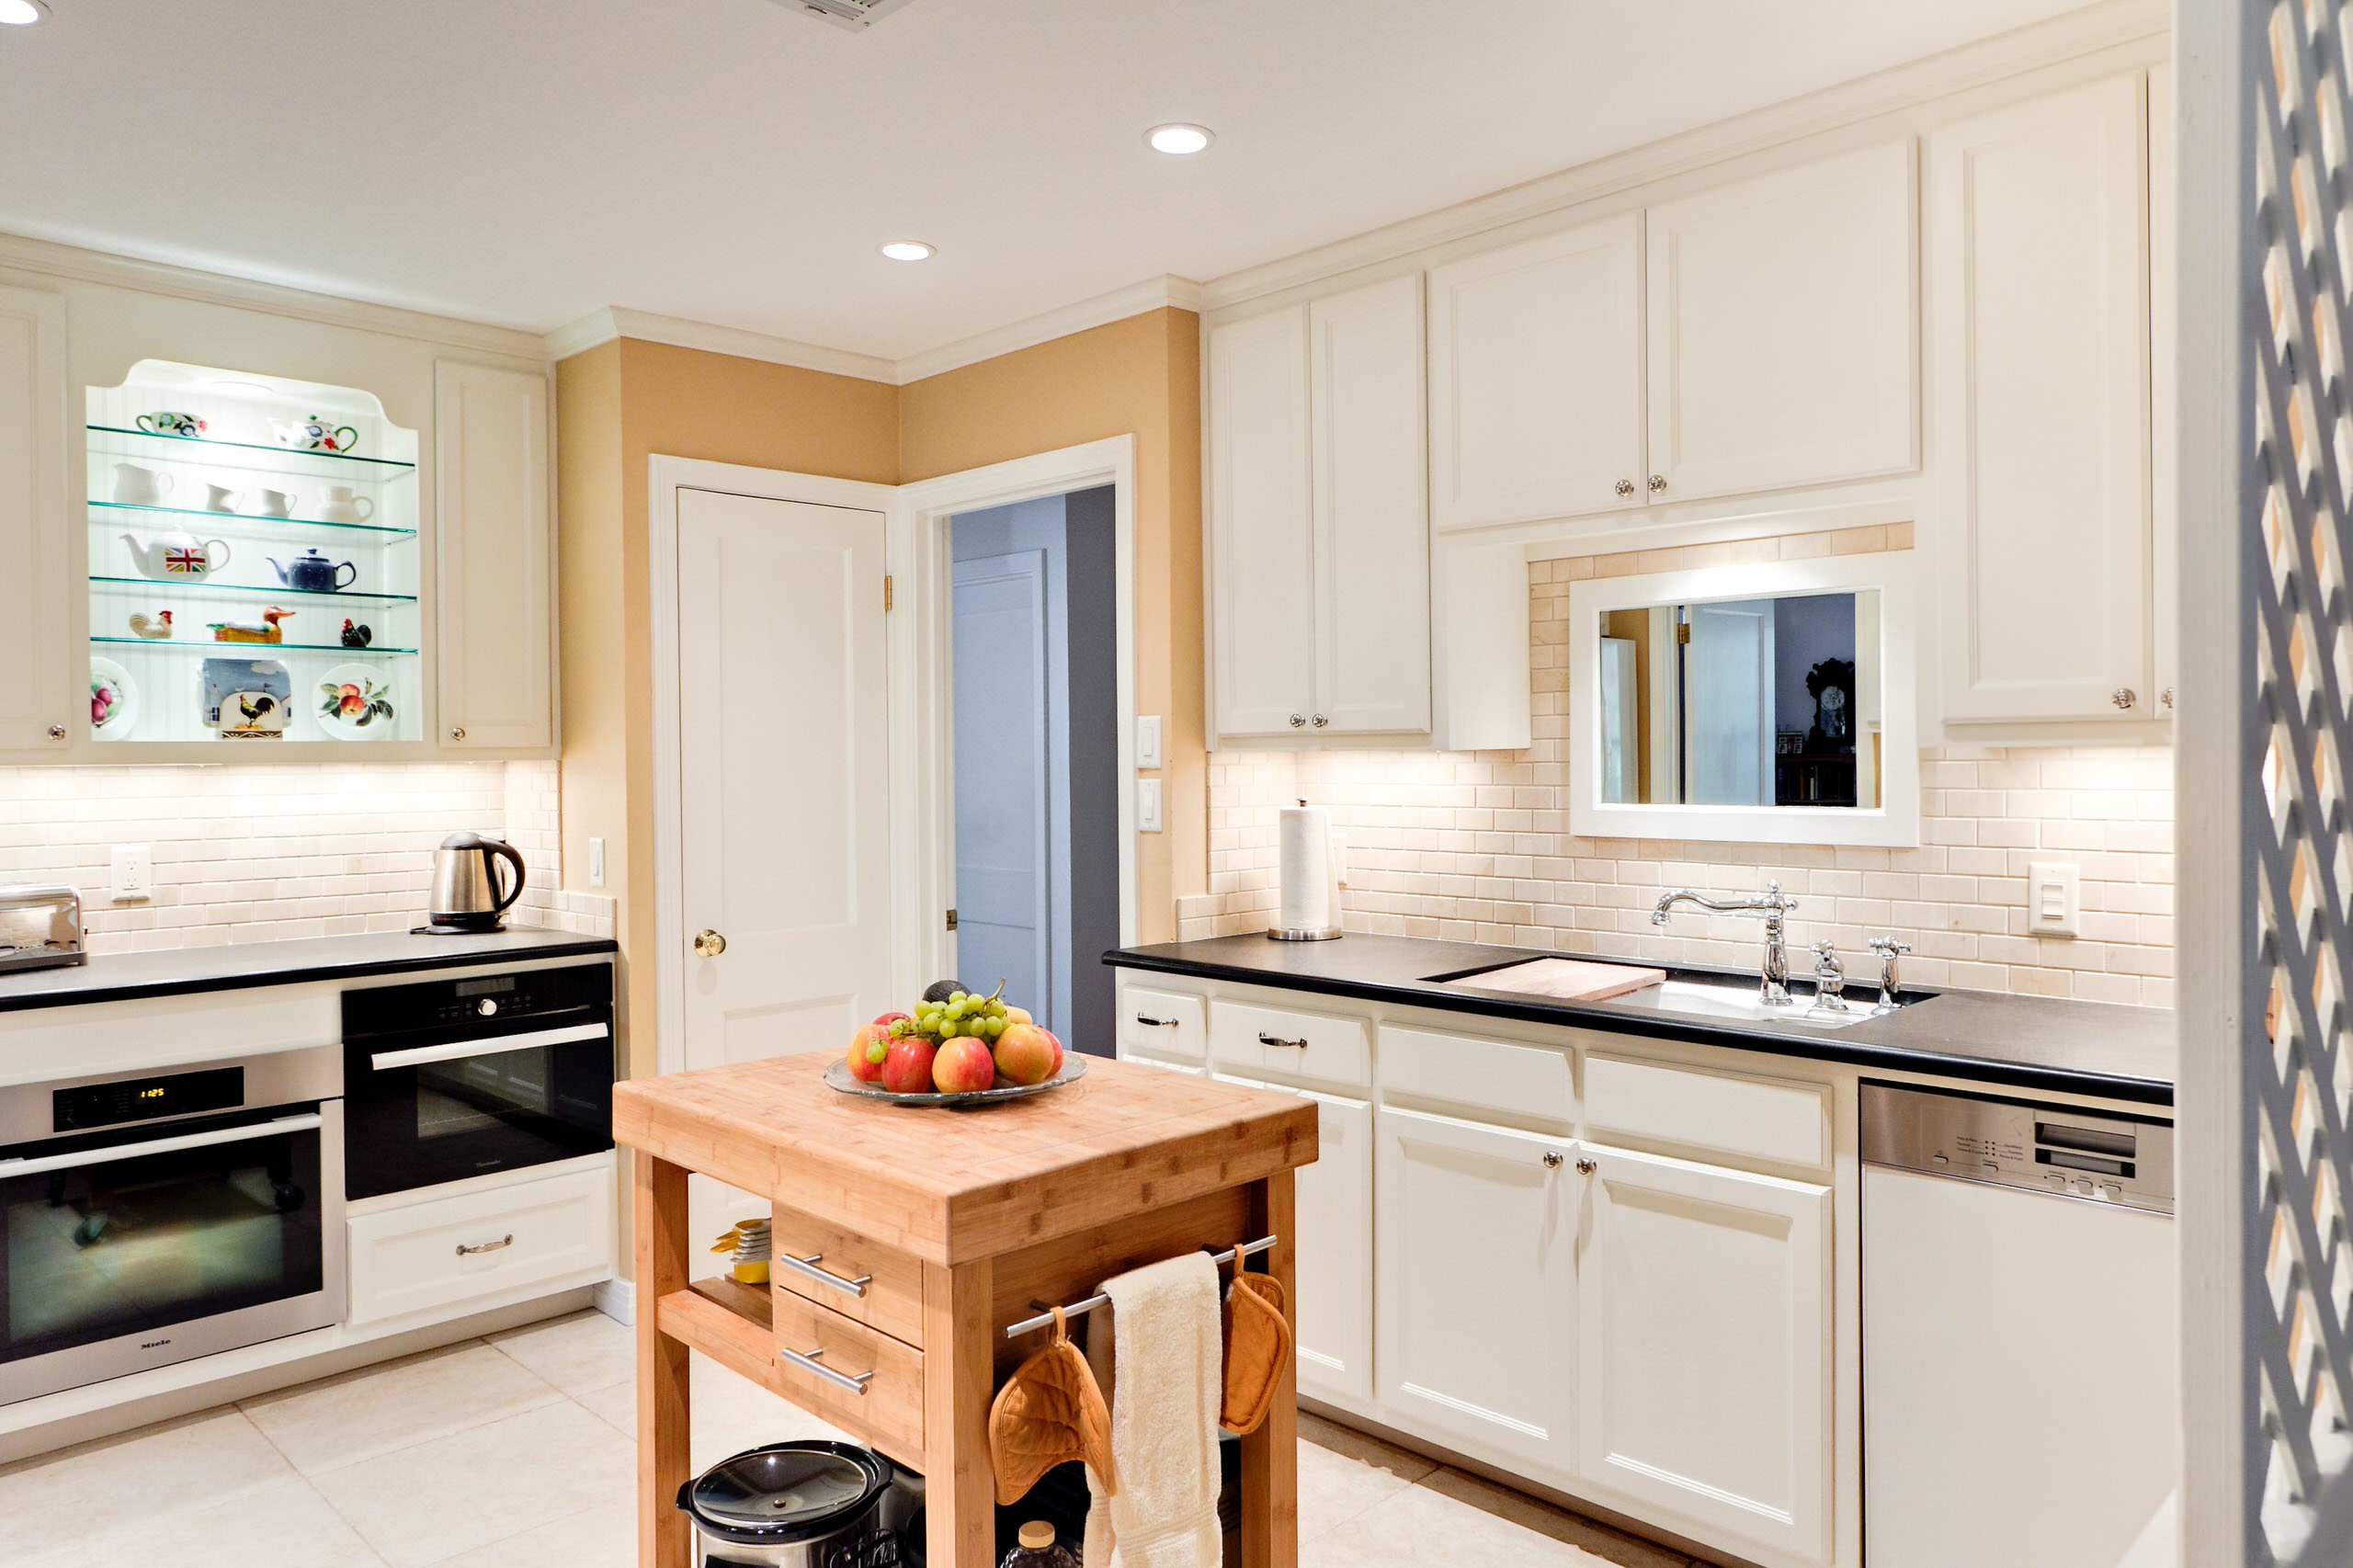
(799,1505)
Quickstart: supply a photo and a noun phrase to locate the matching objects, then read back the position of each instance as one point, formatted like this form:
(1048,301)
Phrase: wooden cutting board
(1568,980)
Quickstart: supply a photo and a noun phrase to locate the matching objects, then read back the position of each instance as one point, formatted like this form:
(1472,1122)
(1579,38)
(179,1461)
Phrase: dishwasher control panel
(2048,1148)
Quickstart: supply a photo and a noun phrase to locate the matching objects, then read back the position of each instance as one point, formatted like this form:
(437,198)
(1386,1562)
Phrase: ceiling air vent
(846,13)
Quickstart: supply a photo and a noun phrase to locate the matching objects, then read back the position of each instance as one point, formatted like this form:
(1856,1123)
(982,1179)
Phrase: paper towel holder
(1304,933)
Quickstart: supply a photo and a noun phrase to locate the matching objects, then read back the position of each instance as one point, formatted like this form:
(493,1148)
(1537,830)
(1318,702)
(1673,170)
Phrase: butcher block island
(929,1231)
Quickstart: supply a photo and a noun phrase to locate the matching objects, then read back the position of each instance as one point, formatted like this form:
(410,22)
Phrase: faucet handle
(1889,947)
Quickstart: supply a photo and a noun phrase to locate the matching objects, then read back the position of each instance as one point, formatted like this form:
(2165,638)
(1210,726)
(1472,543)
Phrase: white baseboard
(616,1299)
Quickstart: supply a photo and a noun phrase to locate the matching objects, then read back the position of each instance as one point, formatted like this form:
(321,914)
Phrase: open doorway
(1034,640)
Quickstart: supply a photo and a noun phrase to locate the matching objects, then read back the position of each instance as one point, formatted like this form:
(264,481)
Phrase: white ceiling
(526,162)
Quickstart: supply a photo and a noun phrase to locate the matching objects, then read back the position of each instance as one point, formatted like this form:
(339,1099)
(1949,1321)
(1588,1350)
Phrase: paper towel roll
(1308,902)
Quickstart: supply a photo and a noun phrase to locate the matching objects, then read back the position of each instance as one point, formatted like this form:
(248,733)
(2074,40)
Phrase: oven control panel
(2047,1148)
(87,1106)
(477,1002)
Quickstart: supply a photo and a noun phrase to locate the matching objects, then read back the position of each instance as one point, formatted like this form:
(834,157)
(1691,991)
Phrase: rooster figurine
(355,635)
(266,630)
(157,625)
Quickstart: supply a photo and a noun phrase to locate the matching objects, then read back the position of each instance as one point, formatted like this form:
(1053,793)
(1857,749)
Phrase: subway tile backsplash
(1475,846)
(245,854)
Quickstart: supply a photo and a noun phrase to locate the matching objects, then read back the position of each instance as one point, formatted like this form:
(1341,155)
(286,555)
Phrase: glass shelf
(304,452)
(211,589)
(249,518)
(258,650)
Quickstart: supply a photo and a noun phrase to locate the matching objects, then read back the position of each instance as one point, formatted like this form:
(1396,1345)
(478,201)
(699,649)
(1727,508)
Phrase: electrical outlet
(595,862)
(134,873)
(1148,805)
(2055,898)
(1148,740)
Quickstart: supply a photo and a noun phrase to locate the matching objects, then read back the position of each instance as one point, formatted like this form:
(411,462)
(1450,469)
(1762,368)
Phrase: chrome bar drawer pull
(807,1269)
(809,1361)
(475,1249)
(1298,1044)
(1152,1023)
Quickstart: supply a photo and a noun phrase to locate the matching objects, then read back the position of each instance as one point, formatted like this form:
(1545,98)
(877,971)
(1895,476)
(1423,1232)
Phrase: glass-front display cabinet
(254,562)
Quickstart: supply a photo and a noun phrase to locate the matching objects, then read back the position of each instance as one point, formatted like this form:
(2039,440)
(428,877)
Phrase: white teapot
(176,557)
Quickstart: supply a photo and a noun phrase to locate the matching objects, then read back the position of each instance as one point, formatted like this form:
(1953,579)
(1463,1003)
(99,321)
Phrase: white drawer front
(1315,1047)
(451,1250)
(1755,1118)
(1162,1023)
(1520,1083)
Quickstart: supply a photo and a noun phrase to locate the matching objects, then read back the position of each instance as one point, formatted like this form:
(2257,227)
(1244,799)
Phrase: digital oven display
(141,1099)
(496,984)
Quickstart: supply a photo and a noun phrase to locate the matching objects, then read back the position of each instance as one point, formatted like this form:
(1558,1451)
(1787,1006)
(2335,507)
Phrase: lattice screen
(2304,860)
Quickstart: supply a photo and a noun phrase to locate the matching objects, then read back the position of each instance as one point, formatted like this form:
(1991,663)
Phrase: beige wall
(1141,375)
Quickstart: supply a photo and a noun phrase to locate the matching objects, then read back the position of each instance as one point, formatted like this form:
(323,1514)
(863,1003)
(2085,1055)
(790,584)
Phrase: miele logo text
(153,1344)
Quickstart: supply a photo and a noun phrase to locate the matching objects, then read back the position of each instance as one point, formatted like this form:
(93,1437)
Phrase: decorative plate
(354,702)
(114,699)
(1074,1069)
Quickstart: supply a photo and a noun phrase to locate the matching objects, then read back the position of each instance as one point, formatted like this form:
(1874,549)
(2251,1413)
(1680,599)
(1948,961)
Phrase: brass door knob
(457,732)
(57,731)
(1625,487)
(1586,1167)
(2123,697)
(709,944)
(1658,484)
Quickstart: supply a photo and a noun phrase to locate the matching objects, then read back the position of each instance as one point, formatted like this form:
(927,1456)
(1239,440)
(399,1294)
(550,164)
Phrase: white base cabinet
(436,1254)
(1703,1332)
(1333,1318)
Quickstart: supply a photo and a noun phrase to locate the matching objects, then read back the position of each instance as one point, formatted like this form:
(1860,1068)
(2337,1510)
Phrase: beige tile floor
(517,1452)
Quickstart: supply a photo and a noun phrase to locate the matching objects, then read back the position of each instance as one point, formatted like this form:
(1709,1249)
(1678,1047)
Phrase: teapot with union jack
(176,557)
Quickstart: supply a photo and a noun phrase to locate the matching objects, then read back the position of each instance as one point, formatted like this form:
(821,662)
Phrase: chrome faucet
(1773,978)
(1890,980)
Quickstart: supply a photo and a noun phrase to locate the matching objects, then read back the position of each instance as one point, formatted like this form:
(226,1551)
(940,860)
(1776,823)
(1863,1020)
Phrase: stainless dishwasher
(2021,1356)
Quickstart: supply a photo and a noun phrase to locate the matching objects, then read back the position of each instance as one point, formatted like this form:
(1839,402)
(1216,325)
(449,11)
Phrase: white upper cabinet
(1373,532)
(1262,532)
(38,713)
(494,558)
(2164,498)
(1783,329)
(1708,1291)
(1319,534)
(1536,378)
(2038,283)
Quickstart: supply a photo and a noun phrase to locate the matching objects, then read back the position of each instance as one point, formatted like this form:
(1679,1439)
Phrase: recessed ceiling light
(907,250)
(22,12)
(1179,141)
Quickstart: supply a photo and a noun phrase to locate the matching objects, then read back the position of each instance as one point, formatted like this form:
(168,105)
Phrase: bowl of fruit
(957,1047)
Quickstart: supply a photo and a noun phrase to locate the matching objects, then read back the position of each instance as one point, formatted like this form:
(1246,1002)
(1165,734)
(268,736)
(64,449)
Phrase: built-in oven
(455,1078)
(148,1218)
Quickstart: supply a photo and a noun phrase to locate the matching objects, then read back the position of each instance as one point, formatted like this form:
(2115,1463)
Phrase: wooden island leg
(663,1425)
(959,1381)
(1270,1455)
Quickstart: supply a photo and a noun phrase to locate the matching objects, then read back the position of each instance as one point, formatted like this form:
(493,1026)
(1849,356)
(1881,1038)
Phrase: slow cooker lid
(785,1492)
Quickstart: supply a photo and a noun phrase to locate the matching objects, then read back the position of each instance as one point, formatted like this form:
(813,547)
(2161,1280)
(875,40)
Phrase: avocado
(939,991)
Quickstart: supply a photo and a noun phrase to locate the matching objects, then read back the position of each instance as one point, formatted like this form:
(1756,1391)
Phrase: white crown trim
(618,321)
(22,253)
(1153,294)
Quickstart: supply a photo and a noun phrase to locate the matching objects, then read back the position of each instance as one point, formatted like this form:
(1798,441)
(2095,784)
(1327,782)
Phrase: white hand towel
(1162,1364)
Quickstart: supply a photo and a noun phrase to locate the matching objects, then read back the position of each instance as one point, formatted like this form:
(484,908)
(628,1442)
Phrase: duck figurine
(355,635)
(157,627)
(266,630)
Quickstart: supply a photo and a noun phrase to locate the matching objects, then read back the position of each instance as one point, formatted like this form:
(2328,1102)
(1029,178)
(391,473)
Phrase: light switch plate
(1148,805)
(1148,740)
(595,862)
(134,873)
(2055,898)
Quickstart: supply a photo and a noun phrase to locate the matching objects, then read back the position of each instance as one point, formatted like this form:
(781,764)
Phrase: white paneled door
(495,556)
(34,715)
(783,785)
(1004,880)
(1262,549)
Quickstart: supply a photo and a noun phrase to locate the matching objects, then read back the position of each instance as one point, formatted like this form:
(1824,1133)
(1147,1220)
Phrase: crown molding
(49,258)
(2112,25)
(618,321)
(1153,294)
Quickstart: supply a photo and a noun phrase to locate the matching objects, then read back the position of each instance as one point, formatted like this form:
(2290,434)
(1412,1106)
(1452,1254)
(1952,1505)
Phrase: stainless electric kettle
(466,892)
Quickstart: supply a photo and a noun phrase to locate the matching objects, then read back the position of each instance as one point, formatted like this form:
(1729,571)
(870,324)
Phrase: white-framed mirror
(1773,703)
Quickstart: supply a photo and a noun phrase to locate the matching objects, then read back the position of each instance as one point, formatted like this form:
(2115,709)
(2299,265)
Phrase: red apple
(964,1066)
(887,1019)
(907,1067)
(867,1050)
(1027,1054)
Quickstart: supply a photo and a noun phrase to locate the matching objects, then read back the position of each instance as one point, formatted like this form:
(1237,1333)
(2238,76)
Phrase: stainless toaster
(40,926)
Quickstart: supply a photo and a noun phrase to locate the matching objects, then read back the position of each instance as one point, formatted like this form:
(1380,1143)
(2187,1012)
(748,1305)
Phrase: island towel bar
(1045,1320)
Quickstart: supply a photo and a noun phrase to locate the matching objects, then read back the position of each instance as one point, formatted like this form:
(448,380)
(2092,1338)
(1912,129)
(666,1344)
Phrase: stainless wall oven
(149,1218)
(454,1078)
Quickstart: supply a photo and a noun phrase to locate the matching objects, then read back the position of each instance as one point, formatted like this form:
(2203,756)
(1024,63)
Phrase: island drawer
(1316,1047)
(861,1380)
(870,1284)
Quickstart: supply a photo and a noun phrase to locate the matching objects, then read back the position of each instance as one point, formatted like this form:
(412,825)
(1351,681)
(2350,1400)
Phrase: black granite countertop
(118,977)
(2025,1042)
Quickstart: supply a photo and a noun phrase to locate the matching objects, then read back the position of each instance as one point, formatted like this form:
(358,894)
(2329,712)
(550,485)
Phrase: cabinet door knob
(2164,698)
(1298,720)
(457,732)
(2123,697)
(1658,484)
(1586,1167)
(57,731)
(1625,487)
(709,944)
(1319,721)
(1552,1159)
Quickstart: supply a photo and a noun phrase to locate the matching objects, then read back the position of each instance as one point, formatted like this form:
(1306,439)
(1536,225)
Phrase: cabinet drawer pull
(807,1269)
(808,1361)
(1152,1023)
(464,1250)
(1298,1044)
(457,732)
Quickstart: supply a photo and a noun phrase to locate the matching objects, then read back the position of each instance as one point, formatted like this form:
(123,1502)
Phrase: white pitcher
(344,505)
(137,486)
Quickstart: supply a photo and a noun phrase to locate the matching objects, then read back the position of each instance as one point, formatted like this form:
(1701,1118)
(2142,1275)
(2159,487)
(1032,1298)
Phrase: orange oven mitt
(1257,1347)
(1049,1411)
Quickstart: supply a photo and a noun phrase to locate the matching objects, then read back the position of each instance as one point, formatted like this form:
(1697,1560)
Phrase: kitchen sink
(1724,998)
